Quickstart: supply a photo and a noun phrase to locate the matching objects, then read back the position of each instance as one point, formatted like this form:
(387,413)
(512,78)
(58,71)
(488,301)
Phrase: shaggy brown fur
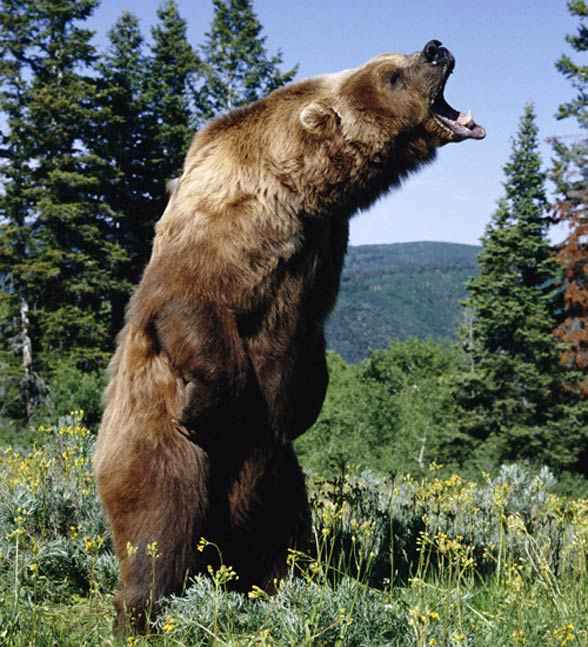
(221,363)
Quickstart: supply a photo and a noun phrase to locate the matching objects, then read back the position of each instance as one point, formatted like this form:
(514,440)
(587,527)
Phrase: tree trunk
(27,358)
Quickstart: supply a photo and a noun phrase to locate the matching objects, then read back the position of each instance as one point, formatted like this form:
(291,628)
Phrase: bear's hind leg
(267,518)
(157,508)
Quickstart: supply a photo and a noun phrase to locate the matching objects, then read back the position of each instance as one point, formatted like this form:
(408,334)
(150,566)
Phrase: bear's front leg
(206,351)
(310,385)
(198,410)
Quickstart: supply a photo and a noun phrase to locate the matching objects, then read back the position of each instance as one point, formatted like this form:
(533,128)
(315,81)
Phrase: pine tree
(125,139)
(236,67)
(570,173)
(75,254)
(172,71)
(57,252)
(145,129)
(512,393)
(15,227)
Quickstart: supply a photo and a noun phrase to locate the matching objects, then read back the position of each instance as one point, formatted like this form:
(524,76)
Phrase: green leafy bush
(70,384)
(389,414)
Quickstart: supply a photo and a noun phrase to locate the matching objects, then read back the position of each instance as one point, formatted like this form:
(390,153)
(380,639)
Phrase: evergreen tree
(143,134)
(74,251)
(125,139)
(56,248)
(513,391)
(16,354)
(171,78)
(236,67)
(570,172)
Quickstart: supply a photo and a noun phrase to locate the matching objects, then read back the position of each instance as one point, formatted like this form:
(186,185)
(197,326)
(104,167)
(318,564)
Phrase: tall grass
(394,562)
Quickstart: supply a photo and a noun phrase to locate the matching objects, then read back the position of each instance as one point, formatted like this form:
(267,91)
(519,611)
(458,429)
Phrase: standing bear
(221,363)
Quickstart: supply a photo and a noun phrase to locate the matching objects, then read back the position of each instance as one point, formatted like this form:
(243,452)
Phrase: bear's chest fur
(298,295)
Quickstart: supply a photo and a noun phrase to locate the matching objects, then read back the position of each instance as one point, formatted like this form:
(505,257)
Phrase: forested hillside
(399,291)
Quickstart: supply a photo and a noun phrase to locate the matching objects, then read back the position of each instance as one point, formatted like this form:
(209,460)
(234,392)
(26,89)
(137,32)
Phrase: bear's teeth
(465,120)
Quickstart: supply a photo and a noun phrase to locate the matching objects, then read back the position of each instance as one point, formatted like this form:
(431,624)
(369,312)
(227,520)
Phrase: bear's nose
(435,54)
(431,51)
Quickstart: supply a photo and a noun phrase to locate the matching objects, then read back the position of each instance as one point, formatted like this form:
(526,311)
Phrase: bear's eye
(395,78)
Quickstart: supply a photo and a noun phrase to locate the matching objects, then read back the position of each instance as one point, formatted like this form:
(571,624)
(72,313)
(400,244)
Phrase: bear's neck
(358,174)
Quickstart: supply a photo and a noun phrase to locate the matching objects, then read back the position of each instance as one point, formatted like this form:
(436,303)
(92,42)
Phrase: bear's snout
(435,54)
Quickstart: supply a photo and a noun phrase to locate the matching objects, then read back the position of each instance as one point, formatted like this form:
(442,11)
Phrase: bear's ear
(316,117)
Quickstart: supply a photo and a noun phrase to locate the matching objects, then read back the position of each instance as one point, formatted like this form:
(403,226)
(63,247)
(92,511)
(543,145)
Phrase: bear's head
(390,95)
(378,122)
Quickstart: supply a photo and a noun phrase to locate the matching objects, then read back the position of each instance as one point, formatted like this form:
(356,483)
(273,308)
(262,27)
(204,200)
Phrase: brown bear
(221,363)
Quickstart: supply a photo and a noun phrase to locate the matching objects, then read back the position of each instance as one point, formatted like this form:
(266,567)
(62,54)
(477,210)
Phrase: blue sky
(505,53)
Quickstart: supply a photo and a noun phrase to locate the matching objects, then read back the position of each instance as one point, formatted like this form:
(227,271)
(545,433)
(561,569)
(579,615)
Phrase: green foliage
(143,134)
(514,392)
(355,422)
(16,234)
(401,561)
(12,402)
(70,384)
(236,68)
(570,170)
(57,257)
(388,413)
(418,375)
(169,84)
(399,291)
(74,255)
(124,139)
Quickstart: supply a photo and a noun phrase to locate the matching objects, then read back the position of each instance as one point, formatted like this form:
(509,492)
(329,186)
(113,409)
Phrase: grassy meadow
(395,562)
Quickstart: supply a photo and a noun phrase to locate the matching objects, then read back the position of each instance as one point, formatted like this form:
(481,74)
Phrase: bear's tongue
(458,123)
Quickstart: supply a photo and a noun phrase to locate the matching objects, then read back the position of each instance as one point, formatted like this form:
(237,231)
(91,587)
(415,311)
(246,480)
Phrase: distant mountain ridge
(397,291)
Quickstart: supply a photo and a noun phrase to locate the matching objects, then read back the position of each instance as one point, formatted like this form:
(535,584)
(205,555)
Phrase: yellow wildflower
(256,593)
(169,624)
(564,634)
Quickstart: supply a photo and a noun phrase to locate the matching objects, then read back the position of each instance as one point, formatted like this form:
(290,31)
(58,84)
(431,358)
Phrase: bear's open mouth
(459,124)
